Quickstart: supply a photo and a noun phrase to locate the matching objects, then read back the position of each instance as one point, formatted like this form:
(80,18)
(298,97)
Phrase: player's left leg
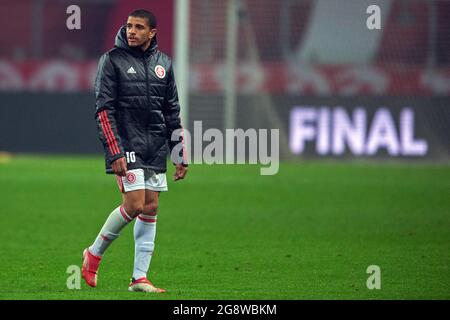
(145,232)
(144,235)
(144,238)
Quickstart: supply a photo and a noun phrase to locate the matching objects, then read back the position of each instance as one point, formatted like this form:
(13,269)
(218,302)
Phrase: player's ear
(153,33)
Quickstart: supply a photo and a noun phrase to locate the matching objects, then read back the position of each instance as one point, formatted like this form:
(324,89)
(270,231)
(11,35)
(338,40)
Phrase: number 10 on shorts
(131,157)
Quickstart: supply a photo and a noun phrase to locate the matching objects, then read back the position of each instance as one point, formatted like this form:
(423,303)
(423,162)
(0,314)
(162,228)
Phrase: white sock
(116,221)
(144,243)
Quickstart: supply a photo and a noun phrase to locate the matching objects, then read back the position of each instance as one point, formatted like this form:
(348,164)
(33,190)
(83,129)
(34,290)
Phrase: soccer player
(137,111)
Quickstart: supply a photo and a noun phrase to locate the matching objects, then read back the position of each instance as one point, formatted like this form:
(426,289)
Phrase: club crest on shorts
(160,71)
(131,177)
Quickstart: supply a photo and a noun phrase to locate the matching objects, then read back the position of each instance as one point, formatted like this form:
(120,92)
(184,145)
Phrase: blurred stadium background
(311,68)
(289,58)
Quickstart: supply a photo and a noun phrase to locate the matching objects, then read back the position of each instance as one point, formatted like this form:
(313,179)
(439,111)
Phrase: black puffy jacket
(137,106)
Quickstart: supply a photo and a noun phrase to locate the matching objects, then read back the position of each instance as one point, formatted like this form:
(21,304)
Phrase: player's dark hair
(145,14)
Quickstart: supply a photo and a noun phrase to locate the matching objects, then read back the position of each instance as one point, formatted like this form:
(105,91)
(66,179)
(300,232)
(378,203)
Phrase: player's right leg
(133,204)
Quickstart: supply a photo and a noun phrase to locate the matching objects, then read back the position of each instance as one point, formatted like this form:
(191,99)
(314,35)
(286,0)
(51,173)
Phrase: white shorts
(139,179)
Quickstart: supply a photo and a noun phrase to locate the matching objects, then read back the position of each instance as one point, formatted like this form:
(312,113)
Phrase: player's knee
(151,209)
(134,209)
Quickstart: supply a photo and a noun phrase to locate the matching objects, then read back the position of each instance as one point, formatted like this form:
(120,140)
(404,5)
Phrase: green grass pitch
(225,232)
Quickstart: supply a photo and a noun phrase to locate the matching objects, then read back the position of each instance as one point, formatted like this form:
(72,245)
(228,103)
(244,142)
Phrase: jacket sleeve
(173,122)
(106,98)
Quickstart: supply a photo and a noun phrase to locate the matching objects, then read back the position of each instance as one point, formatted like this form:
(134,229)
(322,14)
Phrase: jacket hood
(121,42)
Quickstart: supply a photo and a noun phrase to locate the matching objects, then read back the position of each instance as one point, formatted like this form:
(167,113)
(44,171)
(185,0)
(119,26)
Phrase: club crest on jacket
(160,71)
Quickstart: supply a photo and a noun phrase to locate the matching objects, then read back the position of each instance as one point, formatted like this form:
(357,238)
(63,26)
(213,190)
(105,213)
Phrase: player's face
(139,32)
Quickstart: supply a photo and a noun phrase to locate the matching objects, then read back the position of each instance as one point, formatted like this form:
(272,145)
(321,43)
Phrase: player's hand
(119,167)
(180,172)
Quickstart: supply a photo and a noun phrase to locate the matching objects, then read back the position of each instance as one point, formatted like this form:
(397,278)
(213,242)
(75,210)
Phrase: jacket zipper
(146,82)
